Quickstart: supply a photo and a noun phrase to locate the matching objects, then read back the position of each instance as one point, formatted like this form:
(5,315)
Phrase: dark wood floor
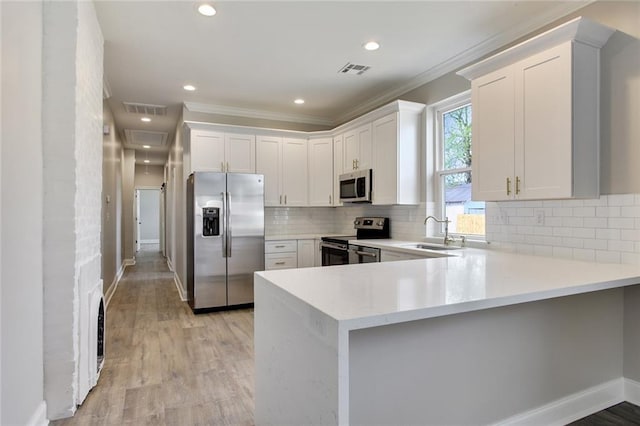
(623,414)
(166,366)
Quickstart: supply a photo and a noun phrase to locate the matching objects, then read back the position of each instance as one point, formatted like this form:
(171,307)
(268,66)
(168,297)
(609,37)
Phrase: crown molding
(255,113)
(470,55)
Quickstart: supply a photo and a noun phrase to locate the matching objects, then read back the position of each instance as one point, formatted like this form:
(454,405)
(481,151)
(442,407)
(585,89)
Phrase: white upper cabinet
(338,167)
(294,172)
(211,151)
(321,172)
(396,155)
(206,151)
(240,153)
(357,148)
(536,114)
(283,162)
(493,135)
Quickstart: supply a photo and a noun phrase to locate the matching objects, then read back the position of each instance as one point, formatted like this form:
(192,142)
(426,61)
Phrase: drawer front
(280,261)
(281,246)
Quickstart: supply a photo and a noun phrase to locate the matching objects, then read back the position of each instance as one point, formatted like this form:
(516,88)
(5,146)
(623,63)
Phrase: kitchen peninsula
(481,337)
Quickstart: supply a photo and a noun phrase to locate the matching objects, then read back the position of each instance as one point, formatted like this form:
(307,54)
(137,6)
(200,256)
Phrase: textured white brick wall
(606,229)
(72,123)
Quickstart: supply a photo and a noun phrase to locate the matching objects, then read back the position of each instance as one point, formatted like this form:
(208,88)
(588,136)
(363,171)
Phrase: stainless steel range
(337,251)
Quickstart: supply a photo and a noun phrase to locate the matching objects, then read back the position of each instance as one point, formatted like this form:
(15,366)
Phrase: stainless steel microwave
(355,187)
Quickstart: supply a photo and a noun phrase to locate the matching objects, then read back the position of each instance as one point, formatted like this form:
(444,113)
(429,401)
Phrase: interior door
(246,228)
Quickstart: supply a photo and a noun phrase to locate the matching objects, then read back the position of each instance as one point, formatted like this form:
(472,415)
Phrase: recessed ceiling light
(206,10)
(146,161)
(146,146)
(145,119)
(372,45)
(299,101)
(189,88)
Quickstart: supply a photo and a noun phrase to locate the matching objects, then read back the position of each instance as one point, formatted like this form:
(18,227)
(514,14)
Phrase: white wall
(72,120)
(128,206)
(112,255)
(21,215)
(148,176)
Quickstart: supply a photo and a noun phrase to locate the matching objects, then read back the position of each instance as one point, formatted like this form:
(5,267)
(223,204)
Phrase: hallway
(165,365)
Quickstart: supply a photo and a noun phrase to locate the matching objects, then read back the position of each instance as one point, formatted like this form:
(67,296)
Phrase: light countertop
(367,295)
(299,236)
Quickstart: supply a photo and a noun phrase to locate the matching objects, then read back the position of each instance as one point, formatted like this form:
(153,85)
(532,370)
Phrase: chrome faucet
(447,238)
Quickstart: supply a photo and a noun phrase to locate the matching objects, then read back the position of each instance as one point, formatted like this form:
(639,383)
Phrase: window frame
(438,110)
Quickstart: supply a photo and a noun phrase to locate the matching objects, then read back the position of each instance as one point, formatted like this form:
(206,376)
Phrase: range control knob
(381,223)
(356,222)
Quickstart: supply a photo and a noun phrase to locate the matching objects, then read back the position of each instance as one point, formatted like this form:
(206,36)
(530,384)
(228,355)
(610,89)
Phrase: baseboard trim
(573,407)
(157,241)
(181,292)
(39,417)
(169,264)
(114,285)
(129,262)
(632,391)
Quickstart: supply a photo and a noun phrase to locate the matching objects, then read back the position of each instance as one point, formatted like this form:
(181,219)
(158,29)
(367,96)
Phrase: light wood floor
(165,365)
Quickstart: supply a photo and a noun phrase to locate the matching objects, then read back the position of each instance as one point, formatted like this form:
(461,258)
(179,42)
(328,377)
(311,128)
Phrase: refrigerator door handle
(224,227)
(229,236)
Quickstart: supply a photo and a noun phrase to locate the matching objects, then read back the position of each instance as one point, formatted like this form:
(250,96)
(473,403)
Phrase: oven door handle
(364,253)
(333,246)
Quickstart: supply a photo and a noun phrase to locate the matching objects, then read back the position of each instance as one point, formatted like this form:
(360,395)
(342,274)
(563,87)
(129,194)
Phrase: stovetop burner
(367,228)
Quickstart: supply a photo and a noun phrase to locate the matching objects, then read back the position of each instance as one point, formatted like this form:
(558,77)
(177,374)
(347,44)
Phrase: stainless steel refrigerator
(225,238)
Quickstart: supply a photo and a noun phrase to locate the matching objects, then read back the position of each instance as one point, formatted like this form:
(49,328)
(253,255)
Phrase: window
(453,168)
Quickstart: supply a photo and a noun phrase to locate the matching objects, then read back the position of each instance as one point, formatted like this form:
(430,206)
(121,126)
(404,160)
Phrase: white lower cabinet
(285,254)
(306,253)
(281,254)
(392,256)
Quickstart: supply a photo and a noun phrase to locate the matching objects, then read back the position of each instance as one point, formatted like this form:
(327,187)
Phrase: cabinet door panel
(364,140)
(240,153)
(321,172)
(543,124)
(294,172)
(306,253)
(207,151)
(351,150)
(338,167)
(268,163)
(385,169)
(493,135)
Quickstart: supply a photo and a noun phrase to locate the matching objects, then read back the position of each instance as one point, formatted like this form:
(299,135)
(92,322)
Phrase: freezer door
(209,266)
(245,193)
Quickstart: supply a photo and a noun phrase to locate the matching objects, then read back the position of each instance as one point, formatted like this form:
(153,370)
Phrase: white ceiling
(261,55)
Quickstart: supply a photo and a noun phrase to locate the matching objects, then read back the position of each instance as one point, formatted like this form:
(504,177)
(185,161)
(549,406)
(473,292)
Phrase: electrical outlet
(504,218)
(539,214)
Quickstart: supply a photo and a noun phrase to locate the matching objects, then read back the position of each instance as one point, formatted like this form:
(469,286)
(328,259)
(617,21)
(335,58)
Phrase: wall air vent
(146,109)
(353,69)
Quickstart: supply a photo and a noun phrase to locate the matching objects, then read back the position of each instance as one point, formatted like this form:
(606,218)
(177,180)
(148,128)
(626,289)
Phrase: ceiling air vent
(146,109)
(353,69)
(146,137)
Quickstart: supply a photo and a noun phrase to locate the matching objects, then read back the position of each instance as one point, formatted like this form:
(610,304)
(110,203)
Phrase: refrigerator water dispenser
(210,221)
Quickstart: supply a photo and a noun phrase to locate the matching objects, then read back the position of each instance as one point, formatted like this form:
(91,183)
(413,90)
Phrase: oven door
(359,254)
(334,254)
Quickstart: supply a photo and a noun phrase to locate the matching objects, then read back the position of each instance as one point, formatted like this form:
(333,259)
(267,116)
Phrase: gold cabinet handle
(222,166)
(279,263)
(508,186)
(280,198)
(517,185)
(357,165)
(329,199)
(285,200)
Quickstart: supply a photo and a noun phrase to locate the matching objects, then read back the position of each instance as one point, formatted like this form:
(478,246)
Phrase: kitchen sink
(428,246)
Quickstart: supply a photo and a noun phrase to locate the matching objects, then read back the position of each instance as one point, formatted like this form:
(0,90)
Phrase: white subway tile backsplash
(622,223)
(621,199)
(605,229)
